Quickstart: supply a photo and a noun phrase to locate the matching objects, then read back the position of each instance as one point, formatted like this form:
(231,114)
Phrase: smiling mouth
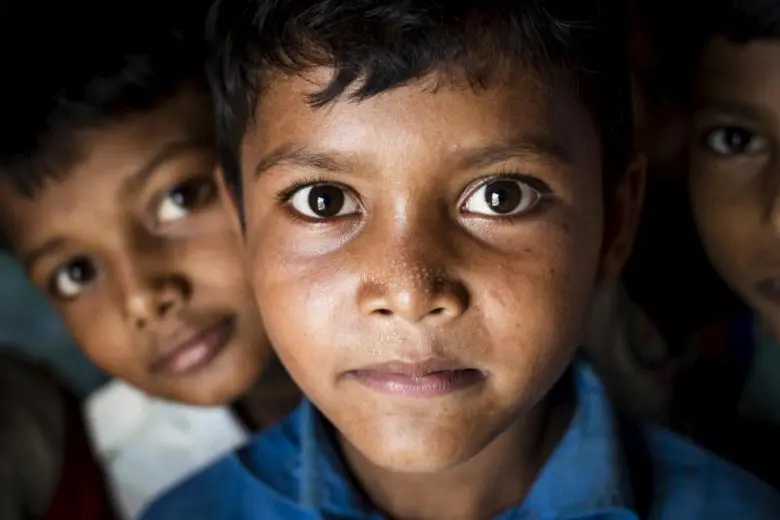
(431,378)
(198,349)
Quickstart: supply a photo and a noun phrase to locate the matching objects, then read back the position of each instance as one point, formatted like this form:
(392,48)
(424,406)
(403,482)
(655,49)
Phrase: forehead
(750,71)
(446,116)
(108,156)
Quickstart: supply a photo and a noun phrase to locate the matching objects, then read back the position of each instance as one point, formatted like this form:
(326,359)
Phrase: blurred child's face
(426,256)
(136,251)
(735,168)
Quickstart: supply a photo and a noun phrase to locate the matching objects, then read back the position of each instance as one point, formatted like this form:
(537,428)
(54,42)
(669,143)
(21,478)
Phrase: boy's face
(136,251)
(425,257)
(735,168)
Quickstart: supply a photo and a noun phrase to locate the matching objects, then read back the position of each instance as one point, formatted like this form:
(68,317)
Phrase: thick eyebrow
(169,152)
(528,147)
(51,246)
(731,107)
(132,183)
(302,157)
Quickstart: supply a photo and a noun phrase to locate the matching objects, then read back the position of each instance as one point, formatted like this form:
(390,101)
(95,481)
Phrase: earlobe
(621,220)
(229,202)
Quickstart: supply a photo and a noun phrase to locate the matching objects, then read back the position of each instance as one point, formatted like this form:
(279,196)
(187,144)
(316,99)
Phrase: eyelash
(546,194)
(286,194)
(512,175)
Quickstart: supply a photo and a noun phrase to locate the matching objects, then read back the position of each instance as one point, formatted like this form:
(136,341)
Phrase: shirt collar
(587,474)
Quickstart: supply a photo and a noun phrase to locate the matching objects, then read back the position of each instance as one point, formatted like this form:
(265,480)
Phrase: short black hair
(683,29)
(742,21)
(377,45)
(69,65)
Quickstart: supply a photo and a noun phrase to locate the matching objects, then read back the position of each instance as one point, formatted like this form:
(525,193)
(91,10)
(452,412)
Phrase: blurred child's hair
(742,21)
(378,45)
(76,64)
(684,28)
(31,436)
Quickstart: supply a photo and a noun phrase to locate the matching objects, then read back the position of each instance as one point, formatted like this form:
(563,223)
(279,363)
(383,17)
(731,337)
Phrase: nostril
(438,311)
(164,307)
(383,312)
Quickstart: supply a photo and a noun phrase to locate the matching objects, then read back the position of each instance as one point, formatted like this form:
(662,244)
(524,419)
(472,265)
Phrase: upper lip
(416,368)
(184,339)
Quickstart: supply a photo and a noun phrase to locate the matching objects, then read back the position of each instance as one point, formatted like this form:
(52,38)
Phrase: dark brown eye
(182,199)
(72,277)
(323,201)
(326,200)
(733,140)
(502,197)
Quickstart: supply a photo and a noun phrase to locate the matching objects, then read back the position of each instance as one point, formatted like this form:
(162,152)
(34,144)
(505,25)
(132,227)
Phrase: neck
(270,401)
(493,481)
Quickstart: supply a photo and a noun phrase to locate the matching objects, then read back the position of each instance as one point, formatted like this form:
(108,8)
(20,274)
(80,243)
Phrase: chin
(208,396)
(403,453)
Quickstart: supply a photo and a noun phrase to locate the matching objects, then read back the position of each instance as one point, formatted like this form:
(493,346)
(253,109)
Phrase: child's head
(735,169)
(108,198)
(423,189)
(32,436)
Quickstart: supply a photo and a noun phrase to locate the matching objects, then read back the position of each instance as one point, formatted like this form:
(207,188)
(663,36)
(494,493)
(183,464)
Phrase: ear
(621,220)
(230,203)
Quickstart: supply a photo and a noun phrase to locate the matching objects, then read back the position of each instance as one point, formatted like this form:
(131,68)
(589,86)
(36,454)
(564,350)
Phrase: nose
(150,294)
(416,286)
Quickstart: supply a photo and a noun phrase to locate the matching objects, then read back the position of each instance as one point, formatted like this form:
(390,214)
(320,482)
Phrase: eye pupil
(80,271)
(737,139)
(190,193)
(503,196)
(326,200)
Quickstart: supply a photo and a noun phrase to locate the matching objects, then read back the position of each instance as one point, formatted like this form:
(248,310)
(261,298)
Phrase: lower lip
(211,342)
(431,385)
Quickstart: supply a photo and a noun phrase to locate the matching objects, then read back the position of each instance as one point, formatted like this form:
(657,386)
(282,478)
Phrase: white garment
(147,444)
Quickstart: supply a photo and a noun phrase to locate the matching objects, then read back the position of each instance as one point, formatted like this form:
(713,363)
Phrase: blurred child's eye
(733,140)
(504,197)
(181,200)
(322,201)
(72,277)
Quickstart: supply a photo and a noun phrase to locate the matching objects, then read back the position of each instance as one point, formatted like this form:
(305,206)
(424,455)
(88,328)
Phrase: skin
(135,250)
(734,167)
(416,266)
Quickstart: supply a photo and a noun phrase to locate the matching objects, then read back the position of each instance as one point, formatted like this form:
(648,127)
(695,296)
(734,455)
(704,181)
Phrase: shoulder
(260,478)
(211,493)
(691,482)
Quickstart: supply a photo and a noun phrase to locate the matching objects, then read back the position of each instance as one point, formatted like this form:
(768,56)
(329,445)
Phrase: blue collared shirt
(294,472)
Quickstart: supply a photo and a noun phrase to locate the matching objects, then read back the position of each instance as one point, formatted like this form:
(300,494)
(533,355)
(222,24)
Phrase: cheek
(214,263)
(541,301)
(100,333)
(730,225)
(300,302)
